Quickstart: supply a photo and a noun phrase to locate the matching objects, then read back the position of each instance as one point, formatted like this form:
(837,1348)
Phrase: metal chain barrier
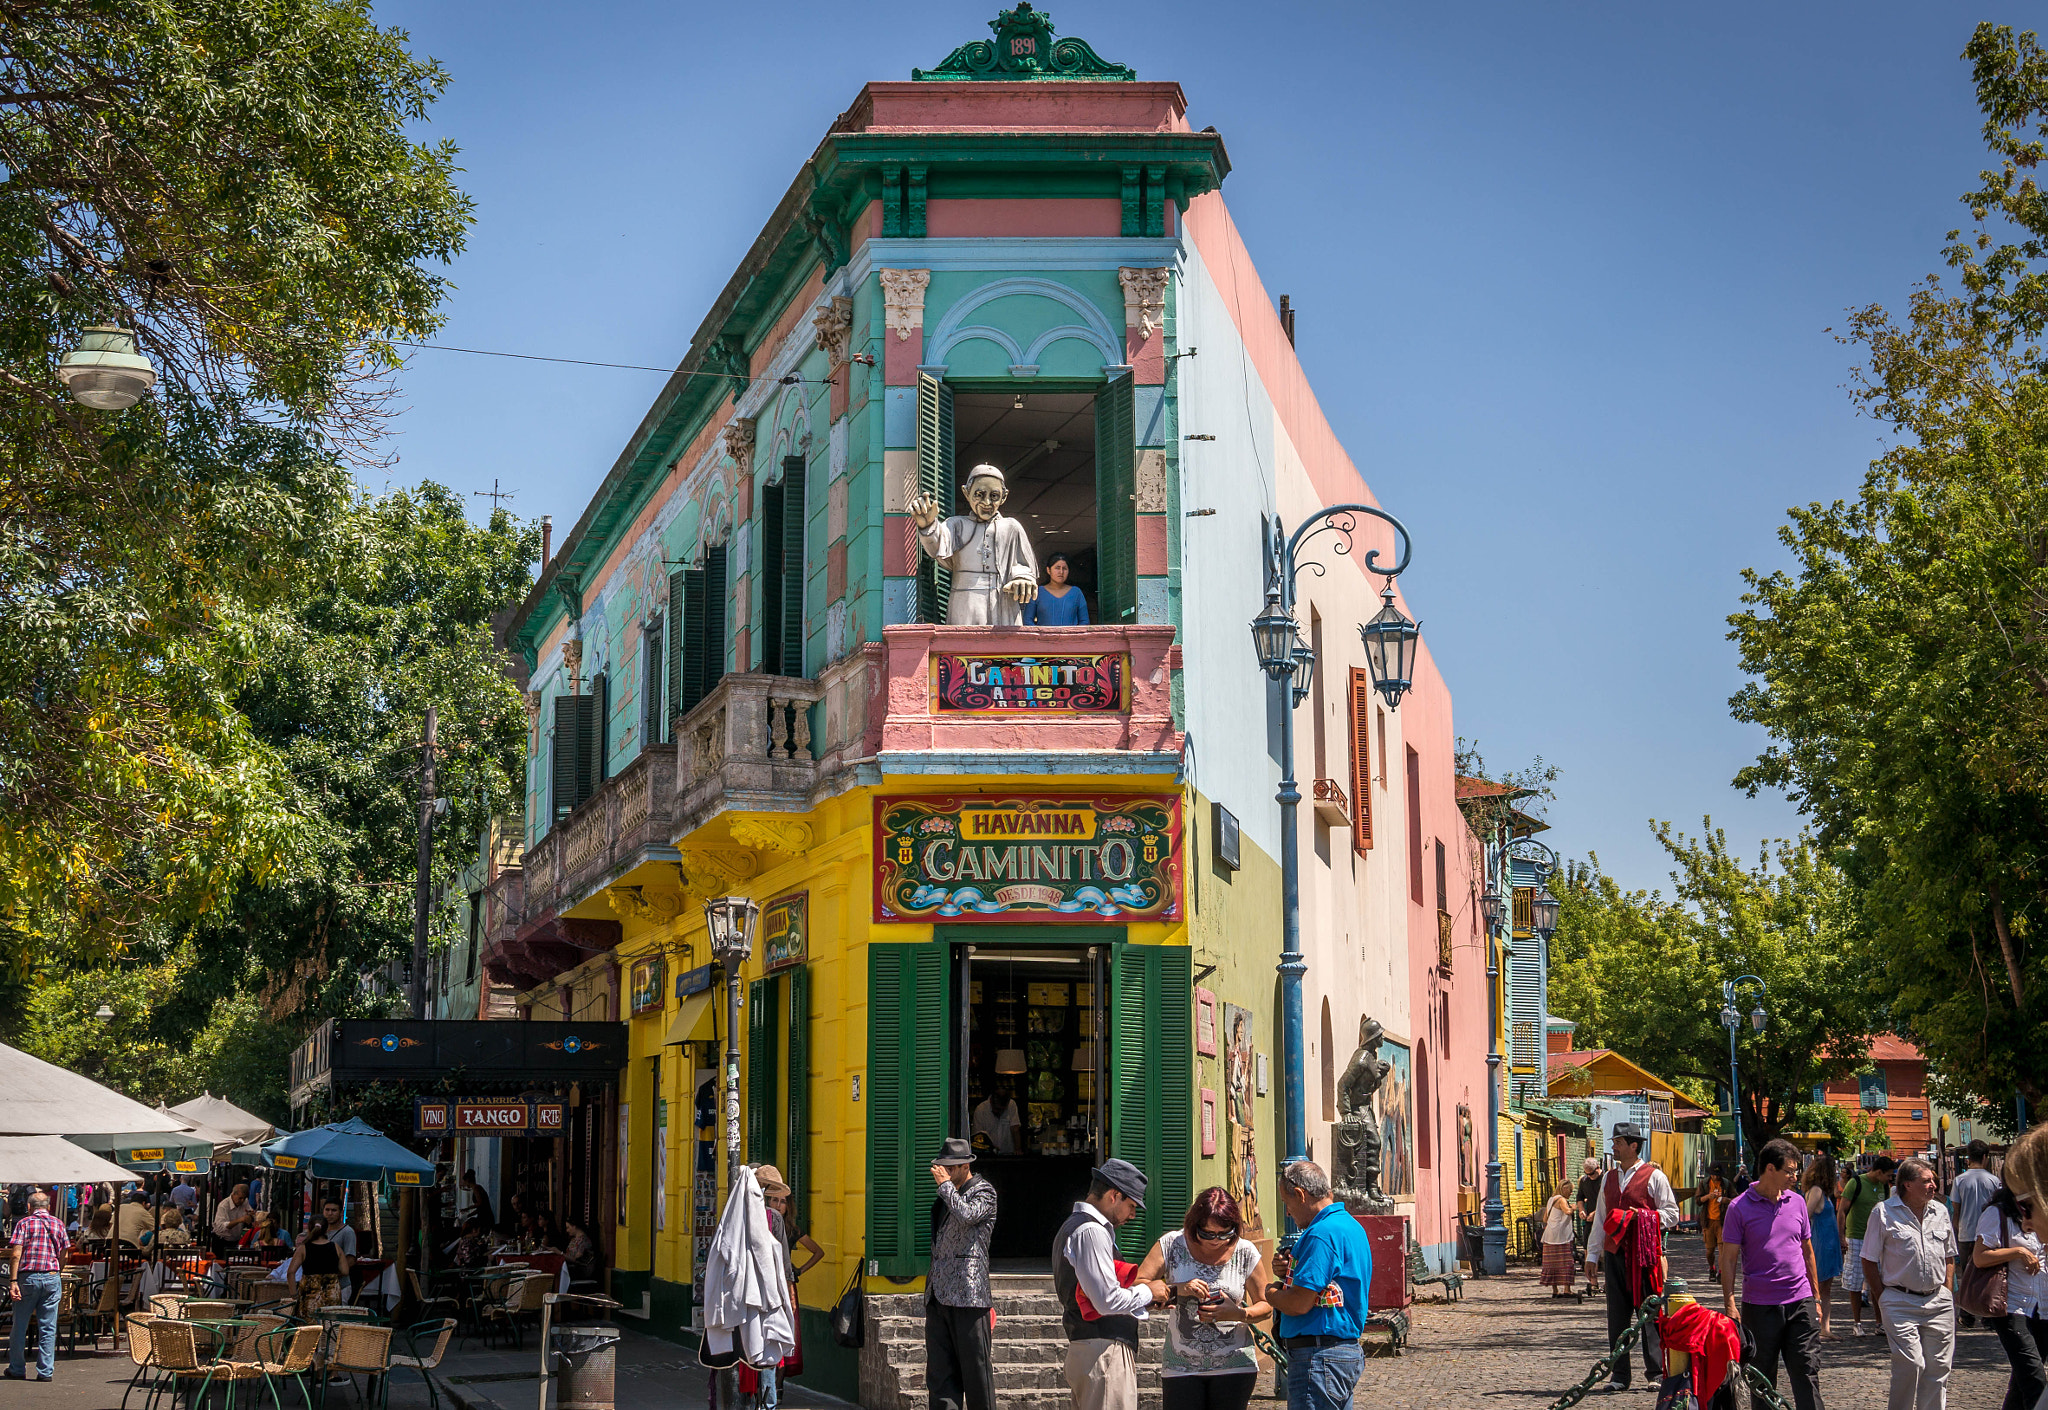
(1759,1388)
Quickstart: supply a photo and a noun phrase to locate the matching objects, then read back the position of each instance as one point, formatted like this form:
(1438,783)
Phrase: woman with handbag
(2007,1287)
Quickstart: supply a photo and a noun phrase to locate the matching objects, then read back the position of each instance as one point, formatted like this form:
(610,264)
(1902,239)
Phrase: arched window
(1329,1068)
(1425,1110)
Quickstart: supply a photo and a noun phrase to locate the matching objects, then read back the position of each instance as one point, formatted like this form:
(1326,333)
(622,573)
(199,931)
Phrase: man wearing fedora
(956,1300)
(1102,1351)
(1633,1184)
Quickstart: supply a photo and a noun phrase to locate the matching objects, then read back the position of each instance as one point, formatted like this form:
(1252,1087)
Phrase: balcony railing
(1333,809)
(605,836)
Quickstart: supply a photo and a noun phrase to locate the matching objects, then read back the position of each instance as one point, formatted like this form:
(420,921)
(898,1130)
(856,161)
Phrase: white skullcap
(985,472)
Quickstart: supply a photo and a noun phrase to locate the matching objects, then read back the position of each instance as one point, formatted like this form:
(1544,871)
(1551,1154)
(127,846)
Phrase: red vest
(1636,1194)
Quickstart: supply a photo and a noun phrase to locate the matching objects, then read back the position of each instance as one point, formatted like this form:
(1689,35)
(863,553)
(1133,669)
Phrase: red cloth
(1125,1272)
(1637,1238)
(1709,1338)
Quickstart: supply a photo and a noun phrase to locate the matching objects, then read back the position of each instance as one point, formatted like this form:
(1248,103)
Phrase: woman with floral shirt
(1218,1285)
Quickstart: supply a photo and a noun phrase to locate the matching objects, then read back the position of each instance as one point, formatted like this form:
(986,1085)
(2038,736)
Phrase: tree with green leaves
(1641,973)
(234,181)
(1901,667)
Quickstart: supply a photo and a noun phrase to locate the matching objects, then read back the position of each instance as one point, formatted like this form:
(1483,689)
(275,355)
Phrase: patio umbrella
(52,1160)
(180,1152)
(346,1150)
(38,1098)
(206,1112)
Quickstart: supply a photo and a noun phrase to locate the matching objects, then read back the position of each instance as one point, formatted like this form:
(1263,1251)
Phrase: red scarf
(1709,1338)
(1637,1237)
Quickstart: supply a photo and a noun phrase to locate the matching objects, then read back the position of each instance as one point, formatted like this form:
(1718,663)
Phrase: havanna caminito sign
(1045,857)
(1016,683)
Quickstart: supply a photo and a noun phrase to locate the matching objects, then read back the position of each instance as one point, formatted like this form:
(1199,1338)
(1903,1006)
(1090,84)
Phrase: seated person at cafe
(233,1217)
(264,1234)
(343,1236)
(170,1229)
(100,1227)
(470,1249)
(133,1222)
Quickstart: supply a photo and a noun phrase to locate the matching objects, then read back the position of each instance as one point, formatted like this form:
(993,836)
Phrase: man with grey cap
(958,1367)
(1632,1185)
(988,553)
(1102,1350)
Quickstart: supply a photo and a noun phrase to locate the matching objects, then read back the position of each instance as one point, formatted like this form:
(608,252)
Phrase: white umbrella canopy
(52,1160)
(219,1116)
(38,1098)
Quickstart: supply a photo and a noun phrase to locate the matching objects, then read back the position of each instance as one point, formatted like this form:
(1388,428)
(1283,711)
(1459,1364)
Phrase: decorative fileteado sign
(1014,683)
(1045,857)
(785,932)
(487,1116)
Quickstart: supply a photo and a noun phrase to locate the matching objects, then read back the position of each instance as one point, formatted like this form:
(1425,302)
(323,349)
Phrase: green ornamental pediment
(1024,48)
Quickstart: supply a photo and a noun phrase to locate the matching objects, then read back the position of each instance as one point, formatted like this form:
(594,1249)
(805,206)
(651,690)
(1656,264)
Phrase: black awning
(347,1052)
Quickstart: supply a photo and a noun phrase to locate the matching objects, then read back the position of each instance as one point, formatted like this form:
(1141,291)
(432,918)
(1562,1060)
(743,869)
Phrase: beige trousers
(1102,1375)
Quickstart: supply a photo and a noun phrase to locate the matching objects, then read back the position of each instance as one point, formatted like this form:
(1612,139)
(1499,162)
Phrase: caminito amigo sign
(1010,683)
(1039,858)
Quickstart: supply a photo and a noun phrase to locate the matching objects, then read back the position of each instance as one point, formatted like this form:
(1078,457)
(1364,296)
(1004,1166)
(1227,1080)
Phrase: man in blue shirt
(1323,1306)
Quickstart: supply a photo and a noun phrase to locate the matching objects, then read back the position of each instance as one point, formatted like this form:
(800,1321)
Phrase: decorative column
(903,292)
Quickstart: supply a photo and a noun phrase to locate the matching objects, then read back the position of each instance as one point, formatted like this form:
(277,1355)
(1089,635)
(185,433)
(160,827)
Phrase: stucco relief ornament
(1144,299)
(1355,1138)
(994,571)
(903,299)
(834,323)
(1024,48)
(739,441)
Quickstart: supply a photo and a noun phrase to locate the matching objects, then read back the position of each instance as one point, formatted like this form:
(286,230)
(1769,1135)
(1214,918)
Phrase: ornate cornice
(903,299)
(773,835)
(834,323)
(713,871)
(739,441)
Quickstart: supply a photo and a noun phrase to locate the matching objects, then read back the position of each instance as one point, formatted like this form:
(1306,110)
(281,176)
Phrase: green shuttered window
(934,478)
(796,1153)
(1152,1116)
(782,572)
(762,1042)
(697,599)
(906,1101)
(573,776)
(1116,500)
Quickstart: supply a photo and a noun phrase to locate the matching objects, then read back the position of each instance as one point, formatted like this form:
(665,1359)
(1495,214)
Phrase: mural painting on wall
(1468,1169)
(1241,1156)
(1046,858)
(1397,1123)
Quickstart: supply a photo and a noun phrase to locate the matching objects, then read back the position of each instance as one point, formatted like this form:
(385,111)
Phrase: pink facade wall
(982,106)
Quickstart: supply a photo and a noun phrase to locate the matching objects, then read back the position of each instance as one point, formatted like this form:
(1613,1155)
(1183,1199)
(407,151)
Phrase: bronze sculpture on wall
(1355,1138)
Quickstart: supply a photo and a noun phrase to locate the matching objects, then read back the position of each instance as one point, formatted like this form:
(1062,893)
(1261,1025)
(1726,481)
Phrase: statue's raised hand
(924,511)
(1022,591)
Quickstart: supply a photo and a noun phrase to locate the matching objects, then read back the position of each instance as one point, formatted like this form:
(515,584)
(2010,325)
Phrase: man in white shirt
(233,1217)
(998,1119)
(1633,1183)
(1102,1351)
(1915,1246)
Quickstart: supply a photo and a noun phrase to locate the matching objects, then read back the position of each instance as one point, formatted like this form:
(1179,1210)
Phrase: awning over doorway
(695,1021)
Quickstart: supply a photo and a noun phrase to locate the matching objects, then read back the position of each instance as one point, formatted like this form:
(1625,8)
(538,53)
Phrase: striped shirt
(42,1242)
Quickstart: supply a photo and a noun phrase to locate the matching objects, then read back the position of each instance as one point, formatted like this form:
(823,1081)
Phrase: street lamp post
(1497,909)
(1732,1021)
(730,920)
(1389,640)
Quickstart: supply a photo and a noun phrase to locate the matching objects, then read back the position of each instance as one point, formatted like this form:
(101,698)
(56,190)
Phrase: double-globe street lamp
(1284,654)
(731,921)
(1731,1020)
(1497,910)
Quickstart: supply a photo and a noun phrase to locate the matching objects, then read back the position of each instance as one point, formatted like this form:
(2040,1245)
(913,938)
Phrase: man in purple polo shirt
(1768,1224)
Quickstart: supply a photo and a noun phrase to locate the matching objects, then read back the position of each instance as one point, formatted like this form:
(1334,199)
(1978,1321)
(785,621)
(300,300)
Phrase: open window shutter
(772,567)
(600,726)
(1153,1114)
(791,606)
(690,643)
(796,1150)
(568,760)
(653,670)
(717,614)
(1116,501)
(1361,760)
(763,1035)
(673,632)
(935,478)
(906,1101)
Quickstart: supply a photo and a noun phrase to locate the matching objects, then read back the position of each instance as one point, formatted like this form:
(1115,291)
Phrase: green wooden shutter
(1116,501)
(672,639)
(796,1153)
(600,726)
(717,614)
(761,1063)
(791,607)
(935,478)
(570,756)
(906,1100)
(772,567)
(1152,1104)
(690,642)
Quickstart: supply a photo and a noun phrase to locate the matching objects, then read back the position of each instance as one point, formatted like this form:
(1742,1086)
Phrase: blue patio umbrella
(345,1150)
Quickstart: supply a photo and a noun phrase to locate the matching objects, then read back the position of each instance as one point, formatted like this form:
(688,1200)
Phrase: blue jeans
(1323,1377)
(39,1295)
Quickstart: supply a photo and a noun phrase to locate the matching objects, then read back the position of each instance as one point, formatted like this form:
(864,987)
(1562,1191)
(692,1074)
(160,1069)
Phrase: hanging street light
(730,921)
(1390,648)
(103,1013)
(1283,654)
(1543,909)
(104,371)
(1491,908)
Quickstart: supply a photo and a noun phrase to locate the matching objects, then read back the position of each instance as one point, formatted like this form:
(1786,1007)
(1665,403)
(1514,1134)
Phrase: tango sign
(1081,859)
(486,1116)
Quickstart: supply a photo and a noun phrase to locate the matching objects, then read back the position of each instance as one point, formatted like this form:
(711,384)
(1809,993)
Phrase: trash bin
(584,1363)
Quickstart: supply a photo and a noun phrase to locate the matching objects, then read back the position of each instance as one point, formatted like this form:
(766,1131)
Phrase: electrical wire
(622,366)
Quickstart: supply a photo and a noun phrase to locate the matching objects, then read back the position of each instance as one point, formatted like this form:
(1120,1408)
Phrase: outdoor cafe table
(554,1264)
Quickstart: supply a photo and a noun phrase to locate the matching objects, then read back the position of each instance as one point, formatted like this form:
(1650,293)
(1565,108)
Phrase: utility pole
(422,899)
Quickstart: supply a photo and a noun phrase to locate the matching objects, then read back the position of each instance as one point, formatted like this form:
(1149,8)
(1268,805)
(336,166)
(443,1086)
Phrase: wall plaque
(1015,683)
(648,983)
(785,931)
(1059,858)
(487,1116)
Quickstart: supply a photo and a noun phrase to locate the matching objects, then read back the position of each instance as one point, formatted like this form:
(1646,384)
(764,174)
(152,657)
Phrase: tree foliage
(232,179)
(1901,668)
(1641,973)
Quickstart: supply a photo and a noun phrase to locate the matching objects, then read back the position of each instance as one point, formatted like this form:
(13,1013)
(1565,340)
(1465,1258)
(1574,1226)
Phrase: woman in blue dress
(1827,1236)
(1059,603)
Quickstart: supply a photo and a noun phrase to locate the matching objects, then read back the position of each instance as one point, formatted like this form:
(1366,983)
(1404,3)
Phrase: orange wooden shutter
(1361,760)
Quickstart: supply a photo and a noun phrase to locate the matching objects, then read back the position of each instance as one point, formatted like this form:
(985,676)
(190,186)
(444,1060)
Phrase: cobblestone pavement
(1510,1344)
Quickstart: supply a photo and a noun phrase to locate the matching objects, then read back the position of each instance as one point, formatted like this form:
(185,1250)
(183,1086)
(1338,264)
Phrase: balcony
(605,838)
(1087,690)
(1333,809)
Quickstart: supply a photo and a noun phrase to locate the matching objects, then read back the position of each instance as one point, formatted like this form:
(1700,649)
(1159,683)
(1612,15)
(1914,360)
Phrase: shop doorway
(1044,443)
(1033,1085)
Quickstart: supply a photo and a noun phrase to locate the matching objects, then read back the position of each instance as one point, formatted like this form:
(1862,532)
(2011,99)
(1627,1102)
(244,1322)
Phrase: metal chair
(1419,1275)
(289,1352)
(141,1350)
(359,1349)
(442,1330)
(430,1304)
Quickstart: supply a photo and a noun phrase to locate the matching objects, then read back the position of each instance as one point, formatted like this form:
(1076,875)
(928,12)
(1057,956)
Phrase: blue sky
(1564,276)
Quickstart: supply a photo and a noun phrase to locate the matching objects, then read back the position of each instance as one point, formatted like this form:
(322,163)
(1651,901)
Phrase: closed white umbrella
(38,1098)
(52,1160)
(206,1112)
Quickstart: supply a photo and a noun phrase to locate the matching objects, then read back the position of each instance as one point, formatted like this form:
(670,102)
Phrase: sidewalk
(652,1375)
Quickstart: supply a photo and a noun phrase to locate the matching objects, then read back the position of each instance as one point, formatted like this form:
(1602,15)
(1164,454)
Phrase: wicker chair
(141,1350)
(168,1305)
(288,1352)
(358,1349)
(432,1306)
(441,1329)
(523,1299)
(183,1354)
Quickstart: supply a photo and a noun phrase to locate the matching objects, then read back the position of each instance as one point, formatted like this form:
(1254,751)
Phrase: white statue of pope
(994,572)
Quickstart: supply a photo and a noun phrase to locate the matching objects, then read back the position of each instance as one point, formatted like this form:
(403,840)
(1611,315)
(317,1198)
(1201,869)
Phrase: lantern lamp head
(104,371)
(1543,909)
(1756,1018)
(1304,668)
(1273,636)
(1390,639)
(730,920)
(1491,908)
